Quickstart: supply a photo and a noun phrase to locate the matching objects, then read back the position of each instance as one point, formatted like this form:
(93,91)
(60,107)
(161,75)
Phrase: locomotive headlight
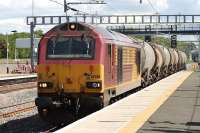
(93,85)
(72,26)
(45,85)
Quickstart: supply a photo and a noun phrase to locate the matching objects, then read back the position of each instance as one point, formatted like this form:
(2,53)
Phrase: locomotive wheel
(89,105)
(43,113)
(56,116)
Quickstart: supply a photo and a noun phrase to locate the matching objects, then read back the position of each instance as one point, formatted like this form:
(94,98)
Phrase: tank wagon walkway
(171,105)
(181,112)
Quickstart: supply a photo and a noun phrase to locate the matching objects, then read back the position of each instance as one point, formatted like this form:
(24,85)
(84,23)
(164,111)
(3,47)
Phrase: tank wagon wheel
(45,115)
(42,113)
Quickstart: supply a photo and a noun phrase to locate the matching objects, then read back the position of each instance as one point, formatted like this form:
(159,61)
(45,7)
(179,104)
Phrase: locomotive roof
(109,34)
(105,33)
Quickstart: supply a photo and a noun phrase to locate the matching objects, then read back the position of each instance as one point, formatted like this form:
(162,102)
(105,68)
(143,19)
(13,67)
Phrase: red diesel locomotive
(85,66)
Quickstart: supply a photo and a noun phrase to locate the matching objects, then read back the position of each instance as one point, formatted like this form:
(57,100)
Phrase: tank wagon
(86,66)
(158,62)
(195,55)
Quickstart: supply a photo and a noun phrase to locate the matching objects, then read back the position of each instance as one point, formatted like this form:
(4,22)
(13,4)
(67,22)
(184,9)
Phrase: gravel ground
(27,122)
(17,97)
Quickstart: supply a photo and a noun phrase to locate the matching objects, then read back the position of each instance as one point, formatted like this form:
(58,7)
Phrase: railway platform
(5,77)
(181,112)
(15,80)
(2,75)
(170,105)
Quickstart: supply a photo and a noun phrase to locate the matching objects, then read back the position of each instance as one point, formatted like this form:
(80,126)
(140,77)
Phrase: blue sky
(13,12)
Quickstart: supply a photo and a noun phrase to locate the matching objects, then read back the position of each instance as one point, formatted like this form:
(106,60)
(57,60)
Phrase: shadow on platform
(193,123)
(32,124)
(170,128)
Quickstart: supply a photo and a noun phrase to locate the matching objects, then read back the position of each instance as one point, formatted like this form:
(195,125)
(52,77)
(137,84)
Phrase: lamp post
(15,31)
(199,51)
(7,50)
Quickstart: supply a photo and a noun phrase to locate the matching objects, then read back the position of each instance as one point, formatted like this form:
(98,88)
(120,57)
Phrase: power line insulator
(65,6)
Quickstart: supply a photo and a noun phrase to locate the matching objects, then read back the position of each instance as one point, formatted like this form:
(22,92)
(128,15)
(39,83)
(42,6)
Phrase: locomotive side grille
(129,64)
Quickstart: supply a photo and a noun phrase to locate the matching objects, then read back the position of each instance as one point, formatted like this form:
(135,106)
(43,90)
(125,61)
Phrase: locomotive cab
(69,67)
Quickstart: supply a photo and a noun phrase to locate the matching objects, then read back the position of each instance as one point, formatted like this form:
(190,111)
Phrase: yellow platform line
(136,123)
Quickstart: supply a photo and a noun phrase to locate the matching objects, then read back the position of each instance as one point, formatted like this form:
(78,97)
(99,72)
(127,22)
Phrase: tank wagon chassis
(82,68)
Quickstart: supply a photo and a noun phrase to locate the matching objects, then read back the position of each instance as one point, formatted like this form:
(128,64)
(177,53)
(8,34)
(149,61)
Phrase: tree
(38,33)
(22,53)
(182,46)
(2,49)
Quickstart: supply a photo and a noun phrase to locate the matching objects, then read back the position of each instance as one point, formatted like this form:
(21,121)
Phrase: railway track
(11,115)
(18,110)
(14,117)
(15,87)
(13,110)
(15,84)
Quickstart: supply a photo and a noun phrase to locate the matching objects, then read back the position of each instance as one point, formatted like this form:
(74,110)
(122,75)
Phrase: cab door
(109,65)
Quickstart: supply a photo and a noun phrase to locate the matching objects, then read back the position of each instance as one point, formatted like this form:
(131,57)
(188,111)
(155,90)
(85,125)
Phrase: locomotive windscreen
(70,48)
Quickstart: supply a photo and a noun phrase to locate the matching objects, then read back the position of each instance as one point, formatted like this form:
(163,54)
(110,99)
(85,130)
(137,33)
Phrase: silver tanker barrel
(148,59)
(180,61)
(184,56)
(159,61)
(167,57)
(176,60)
(166,61)
(172,61)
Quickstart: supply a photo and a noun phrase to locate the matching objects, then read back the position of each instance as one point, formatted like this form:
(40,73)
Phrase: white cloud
(27,3)
(8,25)
(160,5)
(44,7)
(135,5)
(14,12)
